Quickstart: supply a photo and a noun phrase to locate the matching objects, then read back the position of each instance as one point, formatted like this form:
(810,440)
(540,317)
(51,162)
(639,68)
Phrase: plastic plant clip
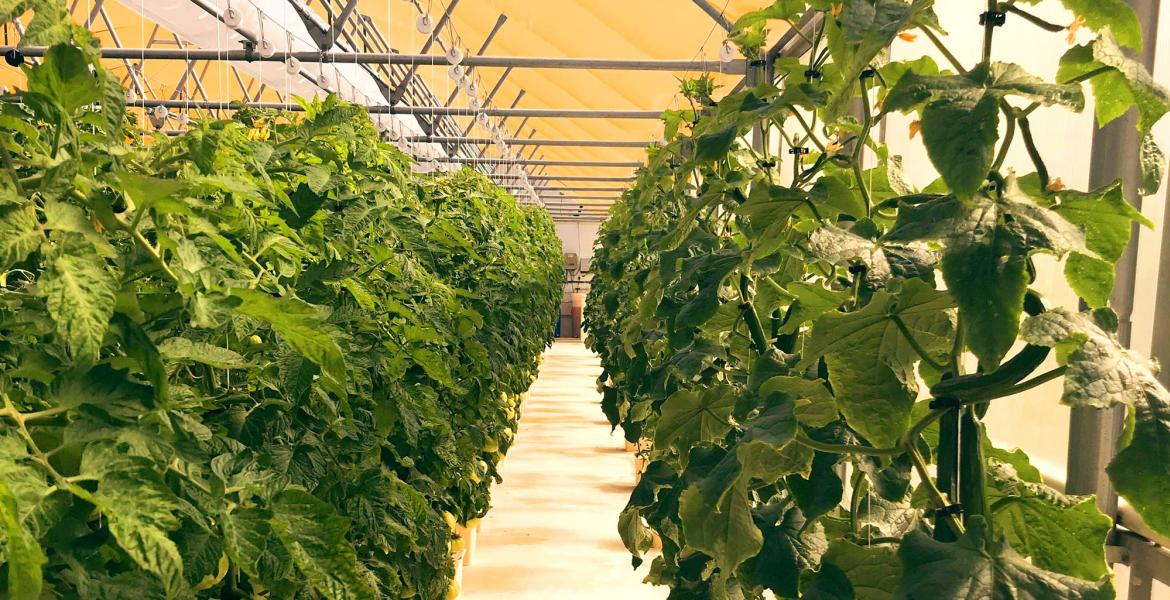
(424,24)
(727,51)
(292,66)
(482,119)
(455,73)
(473,104)
(159,112)
(131,96)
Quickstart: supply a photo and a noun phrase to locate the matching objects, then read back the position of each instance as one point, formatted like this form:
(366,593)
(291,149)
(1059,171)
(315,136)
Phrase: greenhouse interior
(584,299)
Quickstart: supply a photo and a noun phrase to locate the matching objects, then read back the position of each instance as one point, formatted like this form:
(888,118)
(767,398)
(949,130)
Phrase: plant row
(811,344)
(259,359)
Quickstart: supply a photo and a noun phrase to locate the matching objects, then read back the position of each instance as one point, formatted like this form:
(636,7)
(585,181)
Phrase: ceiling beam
(715,14)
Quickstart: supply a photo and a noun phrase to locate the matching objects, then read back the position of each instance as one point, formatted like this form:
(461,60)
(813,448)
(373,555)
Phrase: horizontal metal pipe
(454,111)
(565,178)
(529,142)
(540,188)
(735,67)
(547,198)
(535,163)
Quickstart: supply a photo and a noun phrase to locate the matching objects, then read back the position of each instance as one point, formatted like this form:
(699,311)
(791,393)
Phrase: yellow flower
(1073,27)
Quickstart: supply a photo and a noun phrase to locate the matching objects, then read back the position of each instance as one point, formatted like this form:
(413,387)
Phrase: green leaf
(882,260)
(302,326)
(960,134)
(635,534)
(812,301)
(791,545)
(19,234)
(1153,162)
(140,510)
(985,260)
(995,79)
(60,216)
(253,546)
(975,568)
(867,29)
(727,533)
(873,572)
(1091,278)
(714,146)
(688,417)
(877,396)
(813,402)
(80,292)
(1101,372)
(147,192)
(65,77)
(767,209)
(186,350)
(1141,470)
(1116,16)
(1064,534)
(24,555)
(315,536)
(1126,81)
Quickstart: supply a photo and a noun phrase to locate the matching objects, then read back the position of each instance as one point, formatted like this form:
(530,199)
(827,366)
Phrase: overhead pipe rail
(735,67)
(376,109)
(537,163)
(530,141)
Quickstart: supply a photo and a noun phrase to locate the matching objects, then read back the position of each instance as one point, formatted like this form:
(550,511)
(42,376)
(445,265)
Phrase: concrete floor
(552,530)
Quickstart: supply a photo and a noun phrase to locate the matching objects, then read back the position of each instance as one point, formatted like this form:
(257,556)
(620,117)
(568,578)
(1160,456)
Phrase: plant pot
(640,463)
(457,558)
(471,538)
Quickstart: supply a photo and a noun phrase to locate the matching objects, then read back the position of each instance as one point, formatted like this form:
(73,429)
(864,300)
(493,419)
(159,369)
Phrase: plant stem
(989,29)
(1009,135)
(808,128)
(957,349)
(803,439)
(1034,153)
(1037,21)
(935,495)
(922,353)
(154,253)
(944,50)
(866,123)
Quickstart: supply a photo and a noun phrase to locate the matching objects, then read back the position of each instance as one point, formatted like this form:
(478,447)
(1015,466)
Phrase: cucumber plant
(812,344)
(260,359)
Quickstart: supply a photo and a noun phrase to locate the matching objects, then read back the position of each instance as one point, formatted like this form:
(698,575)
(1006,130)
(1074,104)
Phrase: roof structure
(554,99)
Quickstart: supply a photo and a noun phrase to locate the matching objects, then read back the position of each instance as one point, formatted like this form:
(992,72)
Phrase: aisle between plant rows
(550,532)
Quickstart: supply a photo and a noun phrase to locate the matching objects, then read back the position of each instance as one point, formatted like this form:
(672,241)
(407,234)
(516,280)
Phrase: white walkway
(552,530)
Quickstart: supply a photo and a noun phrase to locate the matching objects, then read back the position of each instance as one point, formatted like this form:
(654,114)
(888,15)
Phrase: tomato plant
(812,344)
(260,359)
